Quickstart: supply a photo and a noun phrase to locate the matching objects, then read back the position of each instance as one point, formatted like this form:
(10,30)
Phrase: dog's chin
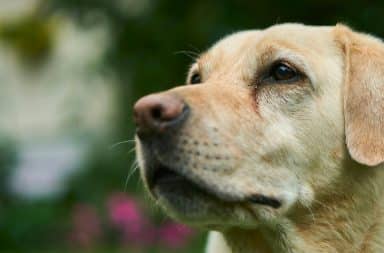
(188,203)
(203,205)
(185,200)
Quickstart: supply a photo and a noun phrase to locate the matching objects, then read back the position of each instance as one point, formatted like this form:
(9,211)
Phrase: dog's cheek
(306,194)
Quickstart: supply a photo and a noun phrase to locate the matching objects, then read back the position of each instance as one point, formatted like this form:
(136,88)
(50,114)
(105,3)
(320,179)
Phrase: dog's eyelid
(194,71)
(302,69)
(286,59)
(296,67)
(195,78)
(268,73)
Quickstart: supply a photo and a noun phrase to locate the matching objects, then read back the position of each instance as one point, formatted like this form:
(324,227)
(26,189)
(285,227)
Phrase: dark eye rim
(268,76)
(291,72)
(195,78)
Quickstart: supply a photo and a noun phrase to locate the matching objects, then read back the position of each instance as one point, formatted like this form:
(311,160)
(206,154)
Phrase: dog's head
(265,123)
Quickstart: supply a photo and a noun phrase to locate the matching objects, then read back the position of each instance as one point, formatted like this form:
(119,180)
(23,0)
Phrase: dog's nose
(156,113)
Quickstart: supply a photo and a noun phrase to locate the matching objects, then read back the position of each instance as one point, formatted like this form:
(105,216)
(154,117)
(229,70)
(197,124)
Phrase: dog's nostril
(156,112)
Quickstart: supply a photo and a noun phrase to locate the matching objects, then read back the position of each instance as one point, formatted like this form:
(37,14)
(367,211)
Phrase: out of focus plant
(130,223)
(31,37)
(86,227)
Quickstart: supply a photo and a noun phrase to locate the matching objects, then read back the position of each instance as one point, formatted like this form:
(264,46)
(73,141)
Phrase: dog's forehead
(245,42)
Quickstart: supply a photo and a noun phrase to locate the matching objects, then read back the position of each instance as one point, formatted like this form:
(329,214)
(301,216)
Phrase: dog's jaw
(333,224)
(193,200)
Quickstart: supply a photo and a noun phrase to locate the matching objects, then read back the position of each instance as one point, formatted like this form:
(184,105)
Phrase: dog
(276,143)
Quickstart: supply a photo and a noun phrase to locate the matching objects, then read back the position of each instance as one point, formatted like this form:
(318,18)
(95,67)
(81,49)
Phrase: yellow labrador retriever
(276,142)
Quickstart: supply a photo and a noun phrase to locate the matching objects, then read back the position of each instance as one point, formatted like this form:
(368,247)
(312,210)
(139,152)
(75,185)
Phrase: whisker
(119,143)
(132,170)
(190,54)
(196,51)
(131,150)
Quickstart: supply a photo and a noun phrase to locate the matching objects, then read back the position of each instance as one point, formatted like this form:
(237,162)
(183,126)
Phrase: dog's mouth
(165,179)
(164,175)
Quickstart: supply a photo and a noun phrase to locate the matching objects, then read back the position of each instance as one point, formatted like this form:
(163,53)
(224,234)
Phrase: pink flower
(124,211)
(173,235)
(137,231)
(126,217)
(86,229)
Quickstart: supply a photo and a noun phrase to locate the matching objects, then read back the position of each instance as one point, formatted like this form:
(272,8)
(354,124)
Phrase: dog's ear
(363,95)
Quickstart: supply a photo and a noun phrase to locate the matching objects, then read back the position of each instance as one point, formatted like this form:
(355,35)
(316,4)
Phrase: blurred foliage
(146,54)
(31,37)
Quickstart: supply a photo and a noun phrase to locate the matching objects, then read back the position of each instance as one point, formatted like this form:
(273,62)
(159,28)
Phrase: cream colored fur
(316,144)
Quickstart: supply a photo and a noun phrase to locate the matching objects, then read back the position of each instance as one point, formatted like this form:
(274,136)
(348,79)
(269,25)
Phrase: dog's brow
(195,66)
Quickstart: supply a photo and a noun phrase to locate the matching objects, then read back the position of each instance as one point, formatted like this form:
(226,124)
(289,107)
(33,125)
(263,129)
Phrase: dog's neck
(349,216)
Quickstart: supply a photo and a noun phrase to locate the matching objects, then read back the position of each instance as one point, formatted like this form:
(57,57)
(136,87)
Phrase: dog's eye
(281,72)
(195,78)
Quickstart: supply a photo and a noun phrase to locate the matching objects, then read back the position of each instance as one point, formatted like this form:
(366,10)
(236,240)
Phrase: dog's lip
(162,174)
(264,200)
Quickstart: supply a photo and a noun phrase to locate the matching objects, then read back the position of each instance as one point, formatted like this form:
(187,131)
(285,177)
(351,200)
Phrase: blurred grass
(195,246)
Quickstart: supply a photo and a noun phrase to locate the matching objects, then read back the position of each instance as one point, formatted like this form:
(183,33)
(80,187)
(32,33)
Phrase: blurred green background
(70,71)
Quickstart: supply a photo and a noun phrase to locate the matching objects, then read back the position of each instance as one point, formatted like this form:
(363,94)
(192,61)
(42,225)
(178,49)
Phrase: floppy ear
(363,95)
